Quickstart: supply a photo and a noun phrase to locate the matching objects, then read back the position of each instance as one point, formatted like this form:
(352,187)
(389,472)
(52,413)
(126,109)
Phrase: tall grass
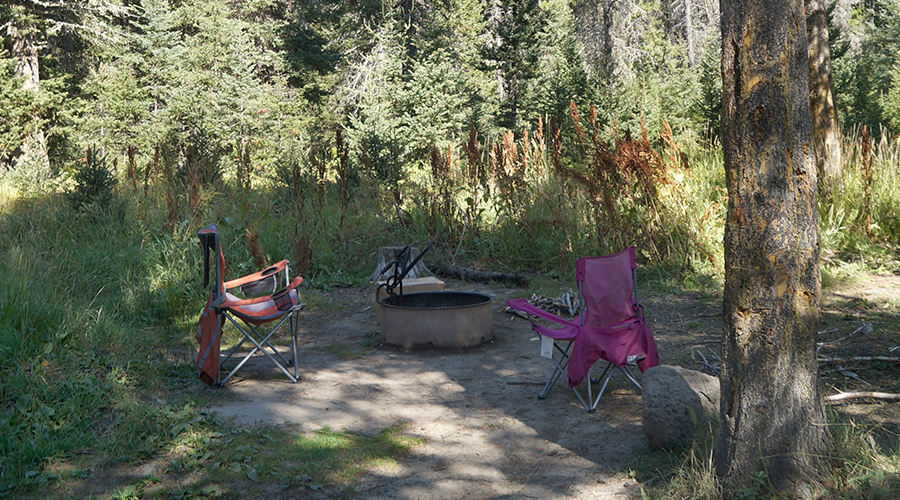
(86,303)
(863,203)
(100,300)
(539,199)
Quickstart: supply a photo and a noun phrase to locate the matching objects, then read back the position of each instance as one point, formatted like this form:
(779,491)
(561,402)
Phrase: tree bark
(689,33)
(33,154)
(593,22)
(826,133)
(25,54)
(772,406)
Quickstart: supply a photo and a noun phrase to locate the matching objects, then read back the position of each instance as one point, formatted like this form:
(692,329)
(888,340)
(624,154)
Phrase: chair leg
(280,366)
(560,363)
(627,372)
(259,346)
(235,348)
(607,374)
(294,321)
(558,369)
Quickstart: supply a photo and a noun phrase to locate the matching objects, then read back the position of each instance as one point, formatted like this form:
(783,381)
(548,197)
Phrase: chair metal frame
(279,307)
(561,354)
(264,339)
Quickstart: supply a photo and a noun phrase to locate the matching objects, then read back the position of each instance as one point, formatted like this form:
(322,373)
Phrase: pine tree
(33,30)
(513,50)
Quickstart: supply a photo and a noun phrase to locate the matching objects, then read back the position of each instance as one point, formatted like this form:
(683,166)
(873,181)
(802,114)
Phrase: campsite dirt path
(484,432)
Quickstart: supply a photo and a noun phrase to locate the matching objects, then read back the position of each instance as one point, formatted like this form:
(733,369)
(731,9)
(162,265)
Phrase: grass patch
(215,461)
(867,464)
(685,473)
(101,299)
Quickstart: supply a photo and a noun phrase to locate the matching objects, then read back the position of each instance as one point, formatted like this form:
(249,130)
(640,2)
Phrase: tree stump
(387,255)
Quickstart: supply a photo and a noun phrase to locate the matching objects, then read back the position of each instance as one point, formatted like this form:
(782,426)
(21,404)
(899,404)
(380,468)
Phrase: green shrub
(94,184)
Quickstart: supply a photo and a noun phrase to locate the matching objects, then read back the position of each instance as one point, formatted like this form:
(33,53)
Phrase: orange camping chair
(248,315)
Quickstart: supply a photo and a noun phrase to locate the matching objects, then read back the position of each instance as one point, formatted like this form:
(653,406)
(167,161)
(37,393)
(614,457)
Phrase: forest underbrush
(102,292)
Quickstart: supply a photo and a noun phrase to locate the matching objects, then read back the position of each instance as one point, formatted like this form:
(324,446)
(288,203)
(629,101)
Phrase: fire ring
(436,319)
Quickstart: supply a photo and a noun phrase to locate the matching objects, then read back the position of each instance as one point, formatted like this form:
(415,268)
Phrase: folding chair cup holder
(253,316)
(610,327)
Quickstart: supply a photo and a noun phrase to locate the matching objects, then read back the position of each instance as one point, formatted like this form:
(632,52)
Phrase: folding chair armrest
(265,273)
(294,284)
(527,308)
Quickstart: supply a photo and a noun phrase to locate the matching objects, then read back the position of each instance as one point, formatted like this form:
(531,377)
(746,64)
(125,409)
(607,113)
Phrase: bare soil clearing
(485,433)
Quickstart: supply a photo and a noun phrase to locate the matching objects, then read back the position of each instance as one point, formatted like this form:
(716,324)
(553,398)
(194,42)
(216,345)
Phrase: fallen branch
(518,313)
(888,396)
(848,373)
(714,366)
(477,275)
(861,359)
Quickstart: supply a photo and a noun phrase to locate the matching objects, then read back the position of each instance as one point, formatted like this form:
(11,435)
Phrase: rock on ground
(675,402)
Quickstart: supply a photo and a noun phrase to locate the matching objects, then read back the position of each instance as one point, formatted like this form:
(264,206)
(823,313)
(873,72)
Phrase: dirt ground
(485,433)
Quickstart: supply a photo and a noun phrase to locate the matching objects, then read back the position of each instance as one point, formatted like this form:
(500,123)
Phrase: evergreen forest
(517,135)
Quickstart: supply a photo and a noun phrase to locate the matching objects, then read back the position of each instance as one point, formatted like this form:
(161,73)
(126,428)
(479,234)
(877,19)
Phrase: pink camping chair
(611,326)
(265,305)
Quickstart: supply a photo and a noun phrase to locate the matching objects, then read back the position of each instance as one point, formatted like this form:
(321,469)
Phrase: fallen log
(888,396)
(858,359)
(478,275)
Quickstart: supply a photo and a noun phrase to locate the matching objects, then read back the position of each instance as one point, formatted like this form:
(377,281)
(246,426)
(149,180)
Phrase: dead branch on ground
(858,359)
(885,396)
(478,275)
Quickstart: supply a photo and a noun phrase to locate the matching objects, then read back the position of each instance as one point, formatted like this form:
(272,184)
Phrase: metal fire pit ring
(436,319)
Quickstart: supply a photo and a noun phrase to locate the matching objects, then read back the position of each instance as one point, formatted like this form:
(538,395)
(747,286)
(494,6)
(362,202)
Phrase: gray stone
(670,395)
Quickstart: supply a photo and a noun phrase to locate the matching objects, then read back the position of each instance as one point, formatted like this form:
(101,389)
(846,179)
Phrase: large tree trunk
(593,22)
(24,52)
(689,33)
(826,134)
(772,408)
(33,153)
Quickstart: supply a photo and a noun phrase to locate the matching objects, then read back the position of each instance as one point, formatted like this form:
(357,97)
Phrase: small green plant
(760,484)
(94,184)
(129,492)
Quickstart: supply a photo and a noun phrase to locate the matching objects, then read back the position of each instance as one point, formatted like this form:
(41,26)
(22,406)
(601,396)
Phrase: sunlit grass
(100,306)
(845,224)
(243,460)
(867,455)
